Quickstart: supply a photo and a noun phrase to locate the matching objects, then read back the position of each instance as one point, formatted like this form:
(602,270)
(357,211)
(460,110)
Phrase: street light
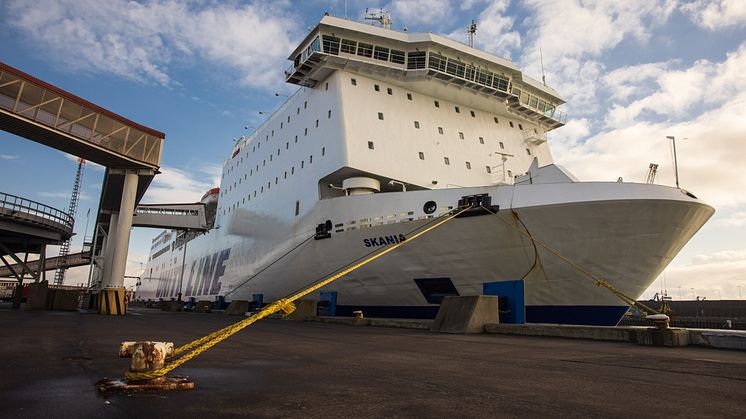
(675,163)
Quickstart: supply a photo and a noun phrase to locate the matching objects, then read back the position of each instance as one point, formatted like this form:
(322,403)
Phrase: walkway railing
(35,212)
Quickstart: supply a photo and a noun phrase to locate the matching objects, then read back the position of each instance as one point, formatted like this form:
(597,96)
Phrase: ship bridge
(417,58)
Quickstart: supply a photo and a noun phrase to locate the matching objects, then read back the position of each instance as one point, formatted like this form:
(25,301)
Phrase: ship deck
(280,369)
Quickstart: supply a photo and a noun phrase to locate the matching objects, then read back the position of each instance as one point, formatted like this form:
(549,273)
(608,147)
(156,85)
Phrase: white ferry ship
(388,130)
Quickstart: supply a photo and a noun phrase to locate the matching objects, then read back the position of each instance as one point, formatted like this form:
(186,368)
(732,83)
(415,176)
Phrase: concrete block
(723,339)
(662,337)
(303,310)
(237,308)
(468,314)
(203,306)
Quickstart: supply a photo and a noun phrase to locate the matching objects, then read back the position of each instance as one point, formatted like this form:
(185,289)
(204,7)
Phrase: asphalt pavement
(50,362)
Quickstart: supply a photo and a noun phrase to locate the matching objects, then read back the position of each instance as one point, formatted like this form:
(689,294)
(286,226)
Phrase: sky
(633,72)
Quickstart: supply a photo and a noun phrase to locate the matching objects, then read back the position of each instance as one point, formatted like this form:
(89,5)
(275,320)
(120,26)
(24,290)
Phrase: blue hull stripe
(590,315)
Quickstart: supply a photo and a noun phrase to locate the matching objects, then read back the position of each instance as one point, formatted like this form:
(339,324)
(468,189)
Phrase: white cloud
(495,30)
(141,41)
(8,156)
(632,81)
(175,185)
(736,219)
(415,12)
(704,83)
(715,275)
(716,14)
(574,37)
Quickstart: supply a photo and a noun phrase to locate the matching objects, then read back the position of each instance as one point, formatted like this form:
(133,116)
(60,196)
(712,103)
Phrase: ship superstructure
(388,130)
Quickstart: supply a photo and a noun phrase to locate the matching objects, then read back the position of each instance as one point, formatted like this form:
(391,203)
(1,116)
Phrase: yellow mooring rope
(284,305)
(599,282)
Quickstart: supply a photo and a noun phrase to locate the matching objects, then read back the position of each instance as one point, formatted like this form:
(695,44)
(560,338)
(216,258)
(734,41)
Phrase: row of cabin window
(460,134)
(446,160)
(264,163)
(269,183)
(473,114)
(333,46)
(258,145)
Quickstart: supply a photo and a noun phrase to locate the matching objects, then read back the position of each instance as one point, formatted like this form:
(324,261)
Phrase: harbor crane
(59,273)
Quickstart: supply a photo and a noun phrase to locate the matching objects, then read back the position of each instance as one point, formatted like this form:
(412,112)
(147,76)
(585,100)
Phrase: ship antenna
(541,59)
(472,31)
(345,9)
(382,17)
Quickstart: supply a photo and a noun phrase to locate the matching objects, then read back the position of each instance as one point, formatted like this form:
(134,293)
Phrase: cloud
(415,12)
(142,41)
(736,219)
(634,134)
(678,91)
(8,156)
(174,185)
(716,14)
(723,270)
(575,36)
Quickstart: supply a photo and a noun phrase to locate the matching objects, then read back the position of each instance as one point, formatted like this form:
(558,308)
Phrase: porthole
(430,207)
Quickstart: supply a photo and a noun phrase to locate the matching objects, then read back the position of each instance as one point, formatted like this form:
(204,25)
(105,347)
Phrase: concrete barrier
(237,308)
(303,310)
(468,314)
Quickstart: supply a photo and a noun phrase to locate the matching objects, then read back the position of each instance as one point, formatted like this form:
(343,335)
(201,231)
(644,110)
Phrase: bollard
(146,356)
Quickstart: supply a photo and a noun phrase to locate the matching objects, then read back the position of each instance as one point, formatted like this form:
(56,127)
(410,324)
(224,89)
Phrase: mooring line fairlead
(284,305)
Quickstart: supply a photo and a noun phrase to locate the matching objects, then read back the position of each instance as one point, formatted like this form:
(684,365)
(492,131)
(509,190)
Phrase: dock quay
(282,368)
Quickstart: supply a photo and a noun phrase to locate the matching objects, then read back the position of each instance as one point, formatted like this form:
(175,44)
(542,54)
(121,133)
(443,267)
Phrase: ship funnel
(361,185)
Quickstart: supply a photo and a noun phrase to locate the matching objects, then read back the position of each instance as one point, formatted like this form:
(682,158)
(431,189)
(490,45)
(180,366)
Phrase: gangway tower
(59,274)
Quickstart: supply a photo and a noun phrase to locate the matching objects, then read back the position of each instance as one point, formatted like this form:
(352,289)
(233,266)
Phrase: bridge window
(409,96)
(377,88)
(348,46)
(364,50)
(381,53)
(511,124)
(331,44)
(389,91)
(397,56)
(416,60)
(520,127)
(473,115)
(437,104)
(496,121)
(457,109)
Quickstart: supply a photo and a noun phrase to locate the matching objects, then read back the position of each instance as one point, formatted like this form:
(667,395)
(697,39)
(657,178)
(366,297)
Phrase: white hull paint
(624,233)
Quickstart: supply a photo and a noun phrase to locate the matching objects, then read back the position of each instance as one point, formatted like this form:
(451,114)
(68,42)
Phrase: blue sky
(632,73)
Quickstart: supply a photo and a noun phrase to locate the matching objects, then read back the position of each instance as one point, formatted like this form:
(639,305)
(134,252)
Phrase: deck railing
(35,212)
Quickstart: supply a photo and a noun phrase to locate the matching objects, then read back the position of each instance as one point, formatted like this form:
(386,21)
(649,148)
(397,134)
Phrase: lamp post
(675,161)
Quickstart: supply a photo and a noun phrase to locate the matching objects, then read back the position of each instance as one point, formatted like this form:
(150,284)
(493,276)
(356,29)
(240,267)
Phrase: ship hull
(625,234)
